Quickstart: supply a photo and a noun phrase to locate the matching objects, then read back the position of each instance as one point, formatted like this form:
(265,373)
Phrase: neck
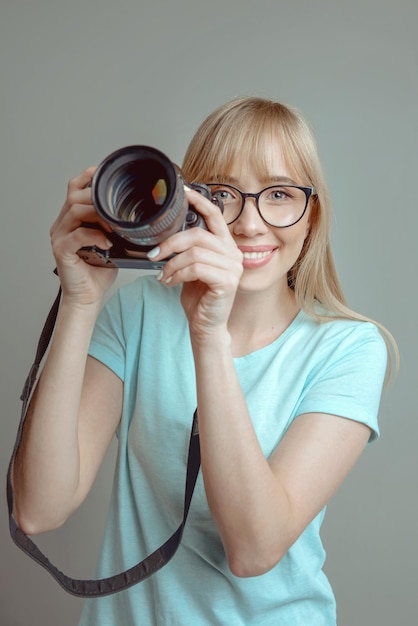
(257,319)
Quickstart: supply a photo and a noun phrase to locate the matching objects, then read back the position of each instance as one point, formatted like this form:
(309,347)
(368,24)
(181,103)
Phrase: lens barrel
(139,192)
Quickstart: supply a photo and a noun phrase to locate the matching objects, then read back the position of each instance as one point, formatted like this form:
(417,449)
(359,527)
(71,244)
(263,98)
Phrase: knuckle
(76,211)
(71,185)
(193,271)
(71,195)
(71,200)
(195,254)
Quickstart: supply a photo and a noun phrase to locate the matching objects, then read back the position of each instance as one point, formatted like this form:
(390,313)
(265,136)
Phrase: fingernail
(160,275)
(153,253)
(186,187)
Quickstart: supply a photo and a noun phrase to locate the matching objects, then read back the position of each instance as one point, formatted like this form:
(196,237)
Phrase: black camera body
(140,193)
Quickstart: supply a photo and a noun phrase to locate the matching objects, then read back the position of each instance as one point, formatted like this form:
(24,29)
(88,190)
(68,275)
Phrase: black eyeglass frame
(308,191)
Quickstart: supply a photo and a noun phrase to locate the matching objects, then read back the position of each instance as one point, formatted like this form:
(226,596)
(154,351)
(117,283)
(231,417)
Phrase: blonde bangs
(244,128)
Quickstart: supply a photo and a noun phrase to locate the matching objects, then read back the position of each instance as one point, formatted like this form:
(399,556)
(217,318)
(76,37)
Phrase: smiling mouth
(257,255)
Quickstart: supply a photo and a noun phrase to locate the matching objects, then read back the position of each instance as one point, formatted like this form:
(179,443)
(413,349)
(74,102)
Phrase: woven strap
(133,575)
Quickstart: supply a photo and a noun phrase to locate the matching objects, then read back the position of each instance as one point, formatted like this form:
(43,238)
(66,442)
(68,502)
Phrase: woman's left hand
(209,265)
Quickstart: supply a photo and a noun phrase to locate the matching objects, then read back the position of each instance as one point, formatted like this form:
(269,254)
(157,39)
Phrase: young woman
(248,323)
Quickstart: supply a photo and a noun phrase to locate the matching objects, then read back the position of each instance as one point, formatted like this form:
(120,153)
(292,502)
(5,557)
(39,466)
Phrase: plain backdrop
(82,78)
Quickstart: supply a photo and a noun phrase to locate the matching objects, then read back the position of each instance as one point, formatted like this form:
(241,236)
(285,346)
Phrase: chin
(254,282)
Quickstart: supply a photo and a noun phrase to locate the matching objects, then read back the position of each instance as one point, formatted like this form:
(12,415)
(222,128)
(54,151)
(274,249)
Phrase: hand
(208,264)
(82,283)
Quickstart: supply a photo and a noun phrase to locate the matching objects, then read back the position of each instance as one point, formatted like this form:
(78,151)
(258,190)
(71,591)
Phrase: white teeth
(256,255)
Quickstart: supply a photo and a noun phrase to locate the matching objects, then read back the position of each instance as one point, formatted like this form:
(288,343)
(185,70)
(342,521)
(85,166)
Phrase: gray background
(81,78)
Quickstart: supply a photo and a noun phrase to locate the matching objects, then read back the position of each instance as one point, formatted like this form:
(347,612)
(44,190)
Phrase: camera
(140,193)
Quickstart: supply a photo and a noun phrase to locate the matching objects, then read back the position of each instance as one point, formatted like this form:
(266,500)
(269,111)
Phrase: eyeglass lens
(279,205)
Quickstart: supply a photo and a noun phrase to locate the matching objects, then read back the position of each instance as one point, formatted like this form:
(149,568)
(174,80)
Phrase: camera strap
(133,575)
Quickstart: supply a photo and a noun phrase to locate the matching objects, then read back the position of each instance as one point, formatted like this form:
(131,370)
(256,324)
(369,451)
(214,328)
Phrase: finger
(79,196)
(189,265)
(75,216)
(211,213)
(193,238)
(72,216)
(216,255)
(219,281)
(82,180)
(69,244)
(78,190)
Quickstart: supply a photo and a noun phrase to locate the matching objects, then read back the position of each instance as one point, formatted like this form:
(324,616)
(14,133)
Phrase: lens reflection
(137,194)
(159,193)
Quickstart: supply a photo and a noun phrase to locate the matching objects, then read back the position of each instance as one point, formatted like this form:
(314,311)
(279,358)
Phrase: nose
(249,223)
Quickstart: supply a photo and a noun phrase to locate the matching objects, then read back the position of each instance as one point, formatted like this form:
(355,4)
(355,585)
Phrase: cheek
(295,236)
(302,231)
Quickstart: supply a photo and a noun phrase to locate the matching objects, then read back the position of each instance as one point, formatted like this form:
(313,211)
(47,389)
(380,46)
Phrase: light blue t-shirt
(335,367)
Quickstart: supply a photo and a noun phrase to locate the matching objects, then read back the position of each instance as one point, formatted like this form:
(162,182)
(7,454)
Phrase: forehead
(264,159)
(267,162)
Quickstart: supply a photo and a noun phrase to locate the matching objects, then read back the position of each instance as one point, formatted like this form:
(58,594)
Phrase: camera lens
(139,192)
(131,199)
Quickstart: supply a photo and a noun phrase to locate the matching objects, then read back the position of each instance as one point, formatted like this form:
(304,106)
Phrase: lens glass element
(278,205)
(137,191)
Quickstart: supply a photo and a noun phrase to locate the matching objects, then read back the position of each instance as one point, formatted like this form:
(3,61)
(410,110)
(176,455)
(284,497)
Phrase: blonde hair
(243,127)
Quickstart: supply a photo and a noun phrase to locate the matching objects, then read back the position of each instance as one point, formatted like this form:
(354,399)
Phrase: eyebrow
(281,180)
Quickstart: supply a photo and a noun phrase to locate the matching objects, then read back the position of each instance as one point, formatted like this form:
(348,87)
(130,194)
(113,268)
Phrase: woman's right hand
(81,283)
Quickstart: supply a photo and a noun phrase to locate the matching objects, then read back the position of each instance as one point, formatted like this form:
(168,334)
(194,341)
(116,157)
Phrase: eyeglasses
(279,205)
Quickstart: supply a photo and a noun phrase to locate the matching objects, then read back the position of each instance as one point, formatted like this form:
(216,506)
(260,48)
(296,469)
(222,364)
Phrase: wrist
(86,309)
(216,340)
(77,319)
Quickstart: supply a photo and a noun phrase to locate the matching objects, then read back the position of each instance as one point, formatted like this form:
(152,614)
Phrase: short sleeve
(349,383)
(108,342)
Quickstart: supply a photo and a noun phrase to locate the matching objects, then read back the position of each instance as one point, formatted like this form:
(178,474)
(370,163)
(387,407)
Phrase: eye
(226,194)
(279,194)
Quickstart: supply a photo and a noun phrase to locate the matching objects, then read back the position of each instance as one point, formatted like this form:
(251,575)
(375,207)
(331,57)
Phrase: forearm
(246,500)
(47,466)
